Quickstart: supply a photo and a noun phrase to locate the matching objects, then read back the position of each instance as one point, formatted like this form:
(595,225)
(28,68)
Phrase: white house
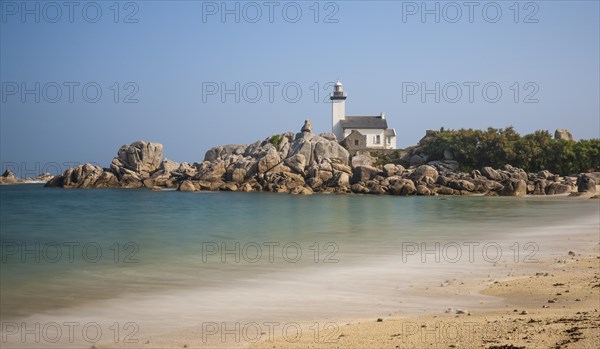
(359,131)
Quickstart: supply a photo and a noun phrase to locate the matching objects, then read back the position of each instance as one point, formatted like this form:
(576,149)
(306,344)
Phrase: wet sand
(552,304)
(556,306)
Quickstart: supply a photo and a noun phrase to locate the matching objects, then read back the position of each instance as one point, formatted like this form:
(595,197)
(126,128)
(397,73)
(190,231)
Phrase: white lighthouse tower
(338,110)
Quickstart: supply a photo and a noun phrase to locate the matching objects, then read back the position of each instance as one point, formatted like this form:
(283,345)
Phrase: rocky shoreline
(9,178)
(305,163)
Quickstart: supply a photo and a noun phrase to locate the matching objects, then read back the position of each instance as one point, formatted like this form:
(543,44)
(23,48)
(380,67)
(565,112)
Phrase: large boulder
(492,174)
(211,171)
(484,185)
(187,170)
(296,162)
(236,174)
(539,187)
(514,187)
(269,160)
(82,176)
(140,157)
(364,173)
(424,171)
(284,145)
(130,179)
(325,149)
(462,184)
(301,146)
(423,190)
(444,166)
(563,134)
(131,168)
(340,180)
(359,188)
(307,127)
(586,183)
(107,180)
(390,170)
(556,188)
(330,136)
(168,166)
(362,160)
(221,152)
(514,172)
(402,187)
(8,178)
(445,191)
(187,186)
(373,187)
(338,166)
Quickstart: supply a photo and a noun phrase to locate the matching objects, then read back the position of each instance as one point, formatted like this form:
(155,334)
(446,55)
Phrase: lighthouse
(338,110)
(357,133)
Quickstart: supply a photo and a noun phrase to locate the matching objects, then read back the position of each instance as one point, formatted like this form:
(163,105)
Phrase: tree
(498,147)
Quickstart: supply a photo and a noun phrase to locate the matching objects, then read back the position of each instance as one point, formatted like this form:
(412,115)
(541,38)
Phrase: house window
(389,140)
(356,142)
(377,139)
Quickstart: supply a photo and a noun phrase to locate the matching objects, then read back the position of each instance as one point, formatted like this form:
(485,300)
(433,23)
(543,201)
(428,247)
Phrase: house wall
(354,141)
(392,144)
(370,133)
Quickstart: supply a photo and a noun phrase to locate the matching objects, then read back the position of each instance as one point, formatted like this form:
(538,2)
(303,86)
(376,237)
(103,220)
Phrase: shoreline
(556,306)
(571,195)
(518,314)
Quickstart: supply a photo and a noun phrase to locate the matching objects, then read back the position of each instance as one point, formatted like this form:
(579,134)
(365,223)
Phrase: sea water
(168,261)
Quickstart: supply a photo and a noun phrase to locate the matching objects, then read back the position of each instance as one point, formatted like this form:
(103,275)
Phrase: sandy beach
(556,306)
(554,303)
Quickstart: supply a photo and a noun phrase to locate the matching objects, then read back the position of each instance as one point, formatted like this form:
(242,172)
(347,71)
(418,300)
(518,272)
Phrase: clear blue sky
(175,51)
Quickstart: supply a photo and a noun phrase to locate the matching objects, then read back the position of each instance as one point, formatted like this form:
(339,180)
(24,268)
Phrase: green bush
(276,140)
(474,149)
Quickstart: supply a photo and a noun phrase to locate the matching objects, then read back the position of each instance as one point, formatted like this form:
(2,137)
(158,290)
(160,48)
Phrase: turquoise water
(167,275)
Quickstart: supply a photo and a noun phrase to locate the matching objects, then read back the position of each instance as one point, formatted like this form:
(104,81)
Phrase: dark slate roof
(364,122)
(390,132)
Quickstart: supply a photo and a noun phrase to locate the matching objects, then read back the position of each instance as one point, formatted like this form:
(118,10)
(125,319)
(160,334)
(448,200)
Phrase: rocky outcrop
(82,176)
(556,188)
(492,174)
(563,134)
(304,163)
(424,171)
(168,166)
(362,160)
(8,178)
(307,127)
(140,157)
(586,183)
(131,168)
(364,173)
(514,187)
(392,169)
(296,163)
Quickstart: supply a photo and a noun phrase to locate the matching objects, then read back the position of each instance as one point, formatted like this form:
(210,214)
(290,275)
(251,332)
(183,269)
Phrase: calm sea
(168,261)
